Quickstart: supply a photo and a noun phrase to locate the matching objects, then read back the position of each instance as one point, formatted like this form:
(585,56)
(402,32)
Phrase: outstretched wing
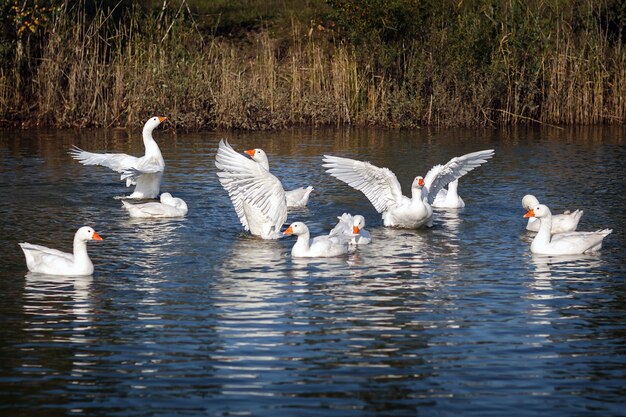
(143,166)
(379,185)
(440,175)
(344,226)
(247,182)
(118,162)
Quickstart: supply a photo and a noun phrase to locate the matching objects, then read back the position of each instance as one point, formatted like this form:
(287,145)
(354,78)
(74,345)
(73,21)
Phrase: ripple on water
(193,316)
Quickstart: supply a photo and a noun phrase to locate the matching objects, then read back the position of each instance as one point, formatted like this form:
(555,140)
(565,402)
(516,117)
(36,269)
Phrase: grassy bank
(445,64)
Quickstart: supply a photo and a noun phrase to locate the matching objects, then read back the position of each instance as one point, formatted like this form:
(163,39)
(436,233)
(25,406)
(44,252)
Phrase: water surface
(194,317)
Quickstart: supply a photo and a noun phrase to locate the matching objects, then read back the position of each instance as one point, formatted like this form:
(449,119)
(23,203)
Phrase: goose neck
(544,234)
(149,143)
(80,249)
(416,195)
(303,242)
(453,187)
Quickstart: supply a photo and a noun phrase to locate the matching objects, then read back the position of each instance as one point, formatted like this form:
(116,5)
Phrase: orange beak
(529,213)
(355,230)
(420,182)
(288,231)
(162,119)
(250,152)
(96,236)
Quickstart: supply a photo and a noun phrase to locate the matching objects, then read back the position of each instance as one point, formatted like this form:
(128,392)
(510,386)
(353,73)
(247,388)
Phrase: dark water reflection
(194,317)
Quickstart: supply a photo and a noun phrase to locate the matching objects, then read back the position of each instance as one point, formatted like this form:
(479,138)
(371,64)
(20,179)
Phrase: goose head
(539,211)
(297,228)
(416,188)
(259,156)
(166,198)
(529,201)
(418,183)
(358,223)
(86,233)
(152,123)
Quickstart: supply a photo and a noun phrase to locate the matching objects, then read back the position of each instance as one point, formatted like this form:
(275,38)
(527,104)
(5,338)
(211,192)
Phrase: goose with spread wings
(296,198)
(382,188)
(257,195)
(145,172)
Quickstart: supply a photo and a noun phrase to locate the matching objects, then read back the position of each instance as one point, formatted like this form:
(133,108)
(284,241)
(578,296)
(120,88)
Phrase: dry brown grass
(94,72)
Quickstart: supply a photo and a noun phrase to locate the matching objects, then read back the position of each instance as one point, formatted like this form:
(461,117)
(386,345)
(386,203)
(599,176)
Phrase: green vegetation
(246,64)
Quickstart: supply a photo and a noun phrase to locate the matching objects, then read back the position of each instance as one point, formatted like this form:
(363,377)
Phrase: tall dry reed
(97,71)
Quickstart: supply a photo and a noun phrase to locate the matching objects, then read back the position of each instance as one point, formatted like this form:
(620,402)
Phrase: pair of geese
(261,202)
(556,234)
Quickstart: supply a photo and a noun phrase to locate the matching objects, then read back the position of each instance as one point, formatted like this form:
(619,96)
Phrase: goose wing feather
(249,183)
(42,252)
(118,162)
(379,185)
(440,175)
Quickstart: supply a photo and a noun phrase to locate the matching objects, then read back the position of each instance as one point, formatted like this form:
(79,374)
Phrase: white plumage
(257,196)
(561,223)
(382,188)
(144,172)
(168,207)
(296,198)
(54,262)
(352,227)
(318,247)
(570,243)
(450,198)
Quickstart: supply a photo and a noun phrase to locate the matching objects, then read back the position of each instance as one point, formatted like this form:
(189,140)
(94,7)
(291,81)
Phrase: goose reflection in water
(550,271)
(59,329)
(394,252)
(54,300)
(570,267)
(251,275)
(153,242)
(157,247)
(450,220)
(250,301)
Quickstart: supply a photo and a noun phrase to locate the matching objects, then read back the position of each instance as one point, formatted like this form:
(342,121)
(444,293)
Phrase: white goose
(54,262)
(353,227)
(168,207)
(318,247)
(257,196)
(144,172)
(382,188)
(571,243)
(566,222)
(295,198)
(450,198)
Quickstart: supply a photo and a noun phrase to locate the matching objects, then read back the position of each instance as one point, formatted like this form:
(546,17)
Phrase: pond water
(195,317)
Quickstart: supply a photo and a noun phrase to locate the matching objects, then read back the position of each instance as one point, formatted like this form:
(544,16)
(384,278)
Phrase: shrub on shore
(404,63)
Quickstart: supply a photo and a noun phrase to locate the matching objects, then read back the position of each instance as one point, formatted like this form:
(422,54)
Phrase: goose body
(450,198)
(318,247)
(382,188)
(570,243)
(296,198)
(561,223)
(45,260)
(145,172)
(352,227)
(257,196)
(168,207)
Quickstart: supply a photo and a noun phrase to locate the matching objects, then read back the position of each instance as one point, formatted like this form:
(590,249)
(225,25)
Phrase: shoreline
(84,70)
